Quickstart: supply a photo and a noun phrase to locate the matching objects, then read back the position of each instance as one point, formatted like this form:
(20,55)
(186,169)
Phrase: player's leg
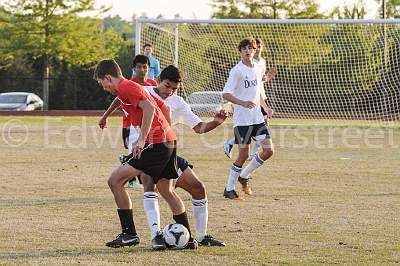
(152,211)
(257,144)
(262,136)
(243,139)
(176,205)
(196,188)
(116,182)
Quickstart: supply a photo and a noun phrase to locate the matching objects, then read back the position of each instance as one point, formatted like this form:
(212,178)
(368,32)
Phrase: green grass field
(329,195)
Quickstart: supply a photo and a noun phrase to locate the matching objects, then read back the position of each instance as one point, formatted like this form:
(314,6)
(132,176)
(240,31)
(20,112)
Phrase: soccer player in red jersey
(153,152)
(141,66)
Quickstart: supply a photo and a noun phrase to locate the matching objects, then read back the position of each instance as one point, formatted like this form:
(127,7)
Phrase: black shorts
(125,137)
(183,164)
(244,134)
(157,160)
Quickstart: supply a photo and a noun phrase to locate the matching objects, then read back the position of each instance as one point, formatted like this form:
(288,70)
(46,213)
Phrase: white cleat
(228,149)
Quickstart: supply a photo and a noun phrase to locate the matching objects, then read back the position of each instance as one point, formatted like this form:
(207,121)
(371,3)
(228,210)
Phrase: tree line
(50,40)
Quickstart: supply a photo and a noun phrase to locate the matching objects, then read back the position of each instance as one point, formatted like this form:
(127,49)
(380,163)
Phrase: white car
(20,101)
(206,102)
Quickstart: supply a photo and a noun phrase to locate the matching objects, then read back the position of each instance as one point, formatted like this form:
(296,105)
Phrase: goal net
(329,69)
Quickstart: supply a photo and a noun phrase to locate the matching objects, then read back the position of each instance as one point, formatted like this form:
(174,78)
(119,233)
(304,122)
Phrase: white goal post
(330,69)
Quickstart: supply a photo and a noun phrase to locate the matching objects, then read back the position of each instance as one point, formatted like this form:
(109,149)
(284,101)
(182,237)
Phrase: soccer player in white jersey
(243,89)
(259,61)
(170,79)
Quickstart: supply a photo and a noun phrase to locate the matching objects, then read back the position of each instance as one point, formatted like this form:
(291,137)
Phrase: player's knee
(267,153)
(112,182)
(198,190)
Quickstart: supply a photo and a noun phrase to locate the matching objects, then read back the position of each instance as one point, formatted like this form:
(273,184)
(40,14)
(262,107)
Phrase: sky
(199,9)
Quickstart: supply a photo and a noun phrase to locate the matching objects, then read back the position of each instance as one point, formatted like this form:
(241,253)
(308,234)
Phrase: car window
(13,98)
(205,98)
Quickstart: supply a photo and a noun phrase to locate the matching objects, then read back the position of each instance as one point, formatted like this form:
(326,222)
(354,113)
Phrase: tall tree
(52,30)
(356,11)
(392,8)
(269,9)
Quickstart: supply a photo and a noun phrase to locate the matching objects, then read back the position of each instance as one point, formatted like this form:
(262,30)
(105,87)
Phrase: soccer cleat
(158,242)
(123,240)
(232,195)
(192,244)
(228,149)
(135,183)
(245,185)
(211,242)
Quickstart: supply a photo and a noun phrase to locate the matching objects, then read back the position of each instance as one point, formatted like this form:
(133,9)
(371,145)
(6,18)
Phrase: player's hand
(103,122)
(137,149)
(220,116)
(270,75)
(248,104)
(269,112)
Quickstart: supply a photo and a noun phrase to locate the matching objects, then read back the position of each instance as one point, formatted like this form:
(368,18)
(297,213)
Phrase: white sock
(255,148)
(253,165)
(152,210)
(233,177)
(200,214)
(231,141)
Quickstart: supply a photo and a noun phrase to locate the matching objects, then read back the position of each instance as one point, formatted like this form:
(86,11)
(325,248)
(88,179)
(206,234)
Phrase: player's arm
(148,114)
(229,97)
(113,106)
(270,75)
(231,84)
(204,127)
(156,69)
(166,112)
(266,108)
(164,109)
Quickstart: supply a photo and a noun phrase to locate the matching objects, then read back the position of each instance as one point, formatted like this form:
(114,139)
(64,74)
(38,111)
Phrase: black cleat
(158,242)
(192,244)
(123,240)
(232,195)
(211,241)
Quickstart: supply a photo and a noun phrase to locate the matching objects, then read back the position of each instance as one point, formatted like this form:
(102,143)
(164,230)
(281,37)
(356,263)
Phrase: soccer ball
(176,235)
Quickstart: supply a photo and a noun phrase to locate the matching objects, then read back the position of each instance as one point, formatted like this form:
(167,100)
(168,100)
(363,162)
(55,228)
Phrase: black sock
(238,166)
(183,220)
(126,219)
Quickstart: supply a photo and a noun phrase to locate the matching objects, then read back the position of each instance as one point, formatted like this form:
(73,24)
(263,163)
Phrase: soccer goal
(327,69)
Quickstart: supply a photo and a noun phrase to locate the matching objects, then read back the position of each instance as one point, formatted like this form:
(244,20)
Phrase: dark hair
(107,67)
(247,42)
(140,59)
(147,44)
(259,41)
(171,73)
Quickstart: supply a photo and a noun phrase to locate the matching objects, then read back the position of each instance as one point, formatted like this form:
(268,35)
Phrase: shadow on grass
(26,255)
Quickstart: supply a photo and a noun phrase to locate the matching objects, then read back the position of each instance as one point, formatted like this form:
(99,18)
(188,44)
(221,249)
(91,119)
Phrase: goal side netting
(327,69)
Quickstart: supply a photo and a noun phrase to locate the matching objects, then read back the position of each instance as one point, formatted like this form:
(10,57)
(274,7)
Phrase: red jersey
(129,95)
(149,82)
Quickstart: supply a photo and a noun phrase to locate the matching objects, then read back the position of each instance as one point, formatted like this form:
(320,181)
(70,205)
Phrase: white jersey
(263,65)
(244,83)
(180,110)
